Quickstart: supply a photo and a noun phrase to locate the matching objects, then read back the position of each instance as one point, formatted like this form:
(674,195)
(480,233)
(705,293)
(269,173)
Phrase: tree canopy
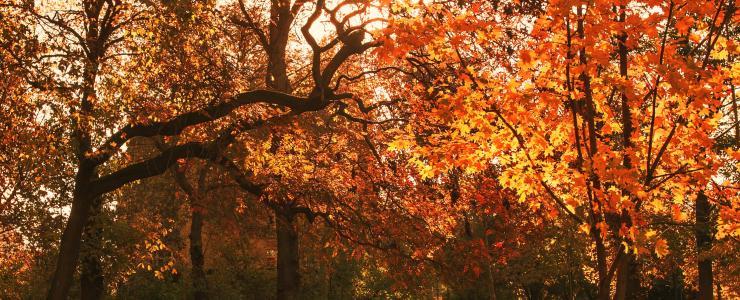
(311,149)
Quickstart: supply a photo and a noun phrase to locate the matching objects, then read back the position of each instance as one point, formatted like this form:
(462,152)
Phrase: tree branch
(177,124)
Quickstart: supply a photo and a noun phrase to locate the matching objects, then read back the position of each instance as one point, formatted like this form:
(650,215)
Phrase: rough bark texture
(288,281)
(704,245)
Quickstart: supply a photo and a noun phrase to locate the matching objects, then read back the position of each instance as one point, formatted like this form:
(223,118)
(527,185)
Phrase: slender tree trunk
(704,246)
(589,114)
(604,282)
(281,19)
(92,285)
(197,258)
(628,276)
(288,281)
(736,124)
(200,285)
(593,217)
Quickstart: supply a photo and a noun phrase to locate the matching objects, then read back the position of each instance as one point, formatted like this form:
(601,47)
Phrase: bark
(69,249)
(200,285)
(704,245)
(197,258)
(628,277)
(92,284)
(288,281)
(68,252)
(281,19)
(604,281)
(736,124)
(87,189)
(589,114)
(593,217)
(288,277)
(628,280)
(719,292)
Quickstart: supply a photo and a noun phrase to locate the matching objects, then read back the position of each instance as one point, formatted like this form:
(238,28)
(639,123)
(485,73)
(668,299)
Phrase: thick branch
(150,167)
(177,124)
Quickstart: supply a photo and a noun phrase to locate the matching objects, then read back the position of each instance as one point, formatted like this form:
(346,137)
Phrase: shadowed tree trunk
(628,280)
(288,269)
(92,285)
(69,250)
(197,258)
(704,246)
(200,285)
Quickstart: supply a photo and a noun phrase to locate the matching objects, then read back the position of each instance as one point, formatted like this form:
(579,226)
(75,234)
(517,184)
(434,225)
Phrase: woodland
(369,149)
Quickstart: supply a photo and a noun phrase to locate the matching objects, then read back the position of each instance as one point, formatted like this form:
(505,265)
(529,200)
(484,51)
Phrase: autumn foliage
(310,149)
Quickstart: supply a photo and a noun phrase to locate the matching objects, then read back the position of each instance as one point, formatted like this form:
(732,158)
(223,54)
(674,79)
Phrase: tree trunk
(197,258)
(281,19)
(288,277)
(628,278)
(288,281)
(200,285)
(69,248)
(704,246)
(92,285)
(604,282)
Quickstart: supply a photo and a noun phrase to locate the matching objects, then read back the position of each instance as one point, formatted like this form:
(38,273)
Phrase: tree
(556,104)
(90,40)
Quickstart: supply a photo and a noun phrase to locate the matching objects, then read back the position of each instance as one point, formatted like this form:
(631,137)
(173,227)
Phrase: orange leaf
(661,248)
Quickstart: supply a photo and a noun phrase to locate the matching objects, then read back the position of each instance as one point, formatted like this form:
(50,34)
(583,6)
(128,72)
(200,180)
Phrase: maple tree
(480,149)
(607,110)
